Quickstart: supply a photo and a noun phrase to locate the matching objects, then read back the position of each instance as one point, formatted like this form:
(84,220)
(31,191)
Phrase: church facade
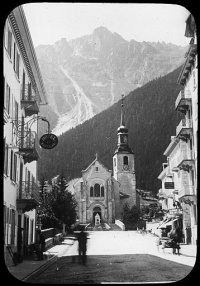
(103,192)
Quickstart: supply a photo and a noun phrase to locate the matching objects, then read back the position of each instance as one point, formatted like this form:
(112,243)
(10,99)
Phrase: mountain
(87,75)
(151,119)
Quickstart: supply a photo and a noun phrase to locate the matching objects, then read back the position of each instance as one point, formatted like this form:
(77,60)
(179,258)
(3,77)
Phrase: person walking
(82,246)
(41,243)
(176,237)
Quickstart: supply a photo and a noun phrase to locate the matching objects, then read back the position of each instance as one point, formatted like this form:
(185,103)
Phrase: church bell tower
(124,165)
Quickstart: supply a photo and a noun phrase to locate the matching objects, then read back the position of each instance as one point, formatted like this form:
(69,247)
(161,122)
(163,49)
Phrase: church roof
(124,149)
(96,160)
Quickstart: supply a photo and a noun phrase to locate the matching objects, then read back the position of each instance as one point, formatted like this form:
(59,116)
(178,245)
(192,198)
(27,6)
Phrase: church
(101,192)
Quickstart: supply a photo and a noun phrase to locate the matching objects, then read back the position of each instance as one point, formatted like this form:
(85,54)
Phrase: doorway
(96,210)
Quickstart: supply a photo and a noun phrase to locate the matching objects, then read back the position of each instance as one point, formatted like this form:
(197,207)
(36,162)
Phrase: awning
(165,223)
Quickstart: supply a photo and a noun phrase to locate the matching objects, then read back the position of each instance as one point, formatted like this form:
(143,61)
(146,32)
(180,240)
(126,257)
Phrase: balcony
(183,101)
(185,190)
(185,159)
(27,196)
(29,101)
(29,146)
(184,129)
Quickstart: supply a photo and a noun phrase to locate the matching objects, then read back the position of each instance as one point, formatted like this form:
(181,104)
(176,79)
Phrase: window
(97,190)
(114,162)
(16,112)
(96,169)
(17,64)
(7,101)
(11,164)
(14,56)
(125,160)
(9,43)
(91,192)
(31,230)
(102,191)
(23,85)
(5,158)
(12,222)
(15,168)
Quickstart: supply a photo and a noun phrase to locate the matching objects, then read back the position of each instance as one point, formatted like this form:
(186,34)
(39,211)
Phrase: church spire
(122,133)
(122,112)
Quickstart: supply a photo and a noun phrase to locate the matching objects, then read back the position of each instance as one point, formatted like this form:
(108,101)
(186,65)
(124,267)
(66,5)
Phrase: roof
(124,149)
(96,160)
(20,27)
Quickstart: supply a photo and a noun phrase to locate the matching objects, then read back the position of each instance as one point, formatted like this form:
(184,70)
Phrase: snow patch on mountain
(82,111)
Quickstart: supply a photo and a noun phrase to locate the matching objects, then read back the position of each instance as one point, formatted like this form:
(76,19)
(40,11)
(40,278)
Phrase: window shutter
(11,165)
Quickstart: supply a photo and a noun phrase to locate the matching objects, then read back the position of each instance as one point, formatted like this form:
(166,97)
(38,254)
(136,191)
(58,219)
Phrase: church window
(91,192)
(97,190)
(102,191)
(125,160)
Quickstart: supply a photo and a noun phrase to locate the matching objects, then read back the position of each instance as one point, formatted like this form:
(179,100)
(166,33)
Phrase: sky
(50,22)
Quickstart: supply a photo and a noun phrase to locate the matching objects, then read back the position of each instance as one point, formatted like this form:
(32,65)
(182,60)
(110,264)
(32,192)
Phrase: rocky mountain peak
(88,74)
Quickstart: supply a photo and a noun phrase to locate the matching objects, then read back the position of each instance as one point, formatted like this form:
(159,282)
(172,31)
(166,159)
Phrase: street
(120,256)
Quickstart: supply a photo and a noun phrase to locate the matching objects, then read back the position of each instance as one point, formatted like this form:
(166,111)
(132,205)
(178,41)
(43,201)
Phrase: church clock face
(126,168)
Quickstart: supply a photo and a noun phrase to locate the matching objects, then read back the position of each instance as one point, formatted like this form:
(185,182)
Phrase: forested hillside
(151,119)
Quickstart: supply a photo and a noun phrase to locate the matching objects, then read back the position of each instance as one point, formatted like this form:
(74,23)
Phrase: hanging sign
(48,141)
(169,185)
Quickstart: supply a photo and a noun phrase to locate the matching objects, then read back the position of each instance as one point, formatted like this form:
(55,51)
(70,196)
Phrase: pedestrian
(82,246)
(161,233)
(176,238)
(41,244)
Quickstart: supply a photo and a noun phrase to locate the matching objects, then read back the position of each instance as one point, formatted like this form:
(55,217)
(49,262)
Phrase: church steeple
(122,112)
(122,133)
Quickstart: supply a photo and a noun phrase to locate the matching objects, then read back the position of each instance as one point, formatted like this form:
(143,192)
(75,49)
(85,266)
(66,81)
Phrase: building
(23,93)
(100,192)
(182,151)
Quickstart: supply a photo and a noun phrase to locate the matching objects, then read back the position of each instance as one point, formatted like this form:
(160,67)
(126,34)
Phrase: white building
(187,130)
(182,151)
(23,93)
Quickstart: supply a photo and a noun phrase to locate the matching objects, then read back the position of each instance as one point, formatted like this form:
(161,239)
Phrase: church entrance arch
(96,210)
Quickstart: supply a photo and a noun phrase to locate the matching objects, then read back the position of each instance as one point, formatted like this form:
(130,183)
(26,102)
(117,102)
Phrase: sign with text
(48,141)
(169,185)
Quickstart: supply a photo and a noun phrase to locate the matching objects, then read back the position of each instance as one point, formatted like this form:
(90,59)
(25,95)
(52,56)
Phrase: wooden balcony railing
(183,99)
(29,145)
(184,127)
(29,100)
(185,190)
(27,195)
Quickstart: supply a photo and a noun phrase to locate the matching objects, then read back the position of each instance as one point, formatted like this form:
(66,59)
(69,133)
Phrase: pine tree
(63,202)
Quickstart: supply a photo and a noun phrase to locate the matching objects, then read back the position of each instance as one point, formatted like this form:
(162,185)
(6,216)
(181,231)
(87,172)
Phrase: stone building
(104,192)
(24,92)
